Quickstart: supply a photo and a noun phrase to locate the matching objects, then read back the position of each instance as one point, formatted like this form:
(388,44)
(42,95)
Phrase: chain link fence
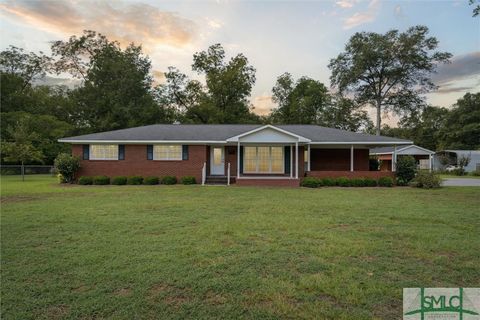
(28,169)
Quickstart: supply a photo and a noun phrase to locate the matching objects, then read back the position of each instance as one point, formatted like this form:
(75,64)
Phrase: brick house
(243,154)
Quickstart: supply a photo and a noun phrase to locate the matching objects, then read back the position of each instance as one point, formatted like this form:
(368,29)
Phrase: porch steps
(218,180)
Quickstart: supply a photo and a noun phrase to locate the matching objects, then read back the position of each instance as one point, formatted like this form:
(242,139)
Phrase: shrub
(406,169)
(101,180)
(328,182)
(373,164)
(151,180)
(67,165)
(475,173)
(344,182)
(458,171)
(85,180)
(188,180)
(119,181)
(310,182)
(358,182)
(385,182)
(134,180)
(369,182)
(426,180)
(169,180)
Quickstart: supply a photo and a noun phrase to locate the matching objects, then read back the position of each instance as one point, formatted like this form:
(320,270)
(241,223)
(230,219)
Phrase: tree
(307,101)
(462,124)
(300,102)
(21,149)
(25,67)
(117,89)
(476,9)
(389,70)
(223,98)
(424,126)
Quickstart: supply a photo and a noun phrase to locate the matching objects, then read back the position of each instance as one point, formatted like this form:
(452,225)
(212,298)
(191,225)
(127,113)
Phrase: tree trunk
(23,172)
(379,116)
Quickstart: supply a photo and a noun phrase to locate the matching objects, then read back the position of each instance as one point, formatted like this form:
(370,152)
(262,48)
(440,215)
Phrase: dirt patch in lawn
(82,288)
(123,292)
(57,312)
(170,295)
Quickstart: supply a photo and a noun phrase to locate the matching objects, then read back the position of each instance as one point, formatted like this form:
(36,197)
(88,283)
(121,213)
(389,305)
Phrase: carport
(423,157)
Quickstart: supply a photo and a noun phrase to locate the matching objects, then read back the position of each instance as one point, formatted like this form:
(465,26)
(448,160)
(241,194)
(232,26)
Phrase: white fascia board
(415,146)
(140,141)
(300,138)
(362,142)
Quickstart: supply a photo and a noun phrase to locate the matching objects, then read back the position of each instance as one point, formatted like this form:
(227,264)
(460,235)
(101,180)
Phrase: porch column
(351,158)
(296,160)
(394,159)
(430,162)
(291,161)
(308,163)
(238,159)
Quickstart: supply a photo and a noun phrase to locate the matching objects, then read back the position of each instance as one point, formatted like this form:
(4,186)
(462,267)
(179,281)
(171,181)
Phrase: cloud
(140,23)
(213,23)
(462,75)
(345,3)
(359,18)
(398,11)
(263,105)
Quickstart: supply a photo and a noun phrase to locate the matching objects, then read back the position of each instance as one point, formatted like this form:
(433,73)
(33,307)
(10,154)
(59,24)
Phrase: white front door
(217,161)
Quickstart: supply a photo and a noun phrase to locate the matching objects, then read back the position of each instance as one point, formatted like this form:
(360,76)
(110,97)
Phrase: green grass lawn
(176,252)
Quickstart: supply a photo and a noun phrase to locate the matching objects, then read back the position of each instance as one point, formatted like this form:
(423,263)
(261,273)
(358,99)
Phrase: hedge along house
(243,154)
(389,155)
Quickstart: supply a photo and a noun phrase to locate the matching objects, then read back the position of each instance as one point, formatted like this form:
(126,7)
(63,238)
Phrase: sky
(276,36)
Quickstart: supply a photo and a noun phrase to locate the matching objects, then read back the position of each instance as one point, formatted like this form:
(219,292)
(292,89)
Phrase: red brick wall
(349,174)
(136,163)
(287,182)
(338,159)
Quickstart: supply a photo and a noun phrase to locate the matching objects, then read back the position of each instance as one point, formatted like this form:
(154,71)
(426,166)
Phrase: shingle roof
(221,132)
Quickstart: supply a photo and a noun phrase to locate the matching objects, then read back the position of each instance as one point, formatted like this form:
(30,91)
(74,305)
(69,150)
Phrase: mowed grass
(192,252)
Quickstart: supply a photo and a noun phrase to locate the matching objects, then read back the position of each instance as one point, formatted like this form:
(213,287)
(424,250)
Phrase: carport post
(309,158)
(430,163)
(351,158)
(394,159)
(296,160)
(238,159)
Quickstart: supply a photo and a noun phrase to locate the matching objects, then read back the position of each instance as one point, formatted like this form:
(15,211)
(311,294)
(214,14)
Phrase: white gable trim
(406,148)
(268,126)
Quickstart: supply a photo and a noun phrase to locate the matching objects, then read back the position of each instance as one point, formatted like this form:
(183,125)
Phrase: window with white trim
(263,160)
(167,152)
(104,152)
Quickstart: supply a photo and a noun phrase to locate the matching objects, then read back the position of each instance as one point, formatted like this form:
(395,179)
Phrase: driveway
(459,182)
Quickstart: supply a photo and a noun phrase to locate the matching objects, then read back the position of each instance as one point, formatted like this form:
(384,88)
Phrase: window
(166,152)
(263,160)
(103,152)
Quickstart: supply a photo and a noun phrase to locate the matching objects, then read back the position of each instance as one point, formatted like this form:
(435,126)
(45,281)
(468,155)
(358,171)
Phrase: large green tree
(307,101)
(225,96)
(388,71)
(117,89)
(462,125)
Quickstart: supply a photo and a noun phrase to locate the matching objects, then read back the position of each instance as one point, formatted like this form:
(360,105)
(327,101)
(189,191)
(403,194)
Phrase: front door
(217,161)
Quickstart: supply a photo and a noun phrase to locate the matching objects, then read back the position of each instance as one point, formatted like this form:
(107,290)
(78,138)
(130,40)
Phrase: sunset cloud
(359,18)
(263,104)
(345,3)
(135,22)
